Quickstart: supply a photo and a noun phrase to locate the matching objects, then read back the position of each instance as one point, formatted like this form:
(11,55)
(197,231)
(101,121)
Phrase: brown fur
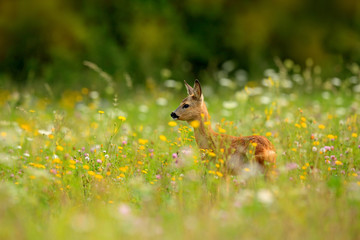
(235,148)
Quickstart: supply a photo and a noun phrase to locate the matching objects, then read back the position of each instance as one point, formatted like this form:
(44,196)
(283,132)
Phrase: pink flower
(291,166)
(124,209)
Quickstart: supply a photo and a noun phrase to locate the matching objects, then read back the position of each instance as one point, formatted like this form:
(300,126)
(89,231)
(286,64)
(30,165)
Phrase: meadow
(98,164)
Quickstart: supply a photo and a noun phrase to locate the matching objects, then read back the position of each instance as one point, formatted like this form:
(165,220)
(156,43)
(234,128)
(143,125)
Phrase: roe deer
(234,149)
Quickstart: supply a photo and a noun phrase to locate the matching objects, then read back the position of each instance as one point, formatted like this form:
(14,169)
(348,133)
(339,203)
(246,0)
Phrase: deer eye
(186,106)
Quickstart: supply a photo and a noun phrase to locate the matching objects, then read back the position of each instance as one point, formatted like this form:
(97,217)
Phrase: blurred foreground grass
(89,167)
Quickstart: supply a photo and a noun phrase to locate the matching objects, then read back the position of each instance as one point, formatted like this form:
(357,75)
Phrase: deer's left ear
(197,90)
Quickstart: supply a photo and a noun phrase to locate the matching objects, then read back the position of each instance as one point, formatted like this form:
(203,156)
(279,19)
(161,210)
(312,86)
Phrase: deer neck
(204,134)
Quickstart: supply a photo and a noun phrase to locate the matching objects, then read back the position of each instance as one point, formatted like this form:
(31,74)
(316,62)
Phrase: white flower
(265,196)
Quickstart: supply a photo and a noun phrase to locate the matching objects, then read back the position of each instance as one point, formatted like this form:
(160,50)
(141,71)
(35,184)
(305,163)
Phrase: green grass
(71,169)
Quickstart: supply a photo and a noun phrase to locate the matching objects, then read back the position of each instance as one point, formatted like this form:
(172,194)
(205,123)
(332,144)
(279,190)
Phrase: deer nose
(173,115)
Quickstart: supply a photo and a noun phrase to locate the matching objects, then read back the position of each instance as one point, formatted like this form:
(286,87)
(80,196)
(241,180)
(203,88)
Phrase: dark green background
(49,40)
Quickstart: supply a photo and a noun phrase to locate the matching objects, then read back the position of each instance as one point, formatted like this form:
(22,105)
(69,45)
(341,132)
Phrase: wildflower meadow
(108,161)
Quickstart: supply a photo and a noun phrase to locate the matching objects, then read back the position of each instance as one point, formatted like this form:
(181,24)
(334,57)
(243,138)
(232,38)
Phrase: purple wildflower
(291,166)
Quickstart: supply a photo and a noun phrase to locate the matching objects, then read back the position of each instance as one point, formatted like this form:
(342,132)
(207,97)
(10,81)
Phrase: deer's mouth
(174,116)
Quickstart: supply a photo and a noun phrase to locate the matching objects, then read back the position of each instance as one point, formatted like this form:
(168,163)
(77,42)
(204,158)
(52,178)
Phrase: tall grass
(84,166)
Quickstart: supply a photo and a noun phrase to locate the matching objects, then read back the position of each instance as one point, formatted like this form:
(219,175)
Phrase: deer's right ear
(189,89)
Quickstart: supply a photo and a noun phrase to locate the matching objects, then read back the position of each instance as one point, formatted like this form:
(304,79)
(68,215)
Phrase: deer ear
(197,90)
(189,89)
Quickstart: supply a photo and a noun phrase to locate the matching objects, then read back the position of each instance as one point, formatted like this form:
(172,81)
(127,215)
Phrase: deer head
(192,106)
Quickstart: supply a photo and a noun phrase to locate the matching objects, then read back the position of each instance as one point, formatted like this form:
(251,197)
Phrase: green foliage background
(49,40)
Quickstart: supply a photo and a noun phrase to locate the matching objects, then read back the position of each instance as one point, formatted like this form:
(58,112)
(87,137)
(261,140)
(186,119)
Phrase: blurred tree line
(50,39)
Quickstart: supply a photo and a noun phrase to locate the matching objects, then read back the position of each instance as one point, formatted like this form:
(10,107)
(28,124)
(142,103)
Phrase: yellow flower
(59,148)
(303,125)
(162,138)
(268,134)
(72,166)
(26,127)
(91,173)
(123,169)
(354,135)
(98,176)
(219,174)
(321,126)
(338,162)
(211,154)
(32,177)
(57,160)
(143,141)
(246,169)
(330,136)
(302,177)
(37,165)
(86,167)
(122,175)
(221,130)
(303,119)
(101,112)
(195,124)
(172,124)
(3,134)
(254,144)
(122,118)
(72,161)
(297,125)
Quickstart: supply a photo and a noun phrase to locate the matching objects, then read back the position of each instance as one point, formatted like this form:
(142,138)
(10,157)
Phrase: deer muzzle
(174,116)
